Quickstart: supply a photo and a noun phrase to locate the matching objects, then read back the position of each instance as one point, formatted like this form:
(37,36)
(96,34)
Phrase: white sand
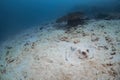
(52,54)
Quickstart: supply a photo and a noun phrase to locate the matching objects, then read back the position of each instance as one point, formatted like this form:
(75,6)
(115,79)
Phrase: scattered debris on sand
(47,53)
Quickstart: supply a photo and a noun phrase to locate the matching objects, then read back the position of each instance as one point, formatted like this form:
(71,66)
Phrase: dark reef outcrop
(108,16)
(73,19)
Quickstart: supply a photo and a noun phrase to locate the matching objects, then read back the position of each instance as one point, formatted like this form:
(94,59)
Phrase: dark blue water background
(18,15)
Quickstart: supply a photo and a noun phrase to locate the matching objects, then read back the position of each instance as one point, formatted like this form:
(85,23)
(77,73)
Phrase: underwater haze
(59,39)
(18,15)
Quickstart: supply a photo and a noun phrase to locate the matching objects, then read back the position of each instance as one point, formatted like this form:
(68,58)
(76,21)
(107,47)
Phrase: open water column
(59,40)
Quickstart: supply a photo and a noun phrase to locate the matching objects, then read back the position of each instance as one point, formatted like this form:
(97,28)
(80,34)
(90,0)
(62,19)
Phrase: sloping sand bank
(89,52)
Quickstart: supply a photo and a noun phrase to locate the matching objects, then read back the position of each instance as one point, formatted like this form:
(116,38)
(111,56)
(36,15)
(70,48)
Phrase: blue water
(18,15)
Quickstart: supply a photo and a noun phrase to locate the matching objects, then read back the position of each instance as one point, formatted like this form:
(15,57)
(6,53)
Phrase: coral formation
(73,19)
(108,16)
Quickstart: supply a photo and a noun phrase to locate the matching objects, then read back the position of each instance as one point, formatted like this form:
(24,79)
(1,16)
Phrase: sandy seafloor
(89,52)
